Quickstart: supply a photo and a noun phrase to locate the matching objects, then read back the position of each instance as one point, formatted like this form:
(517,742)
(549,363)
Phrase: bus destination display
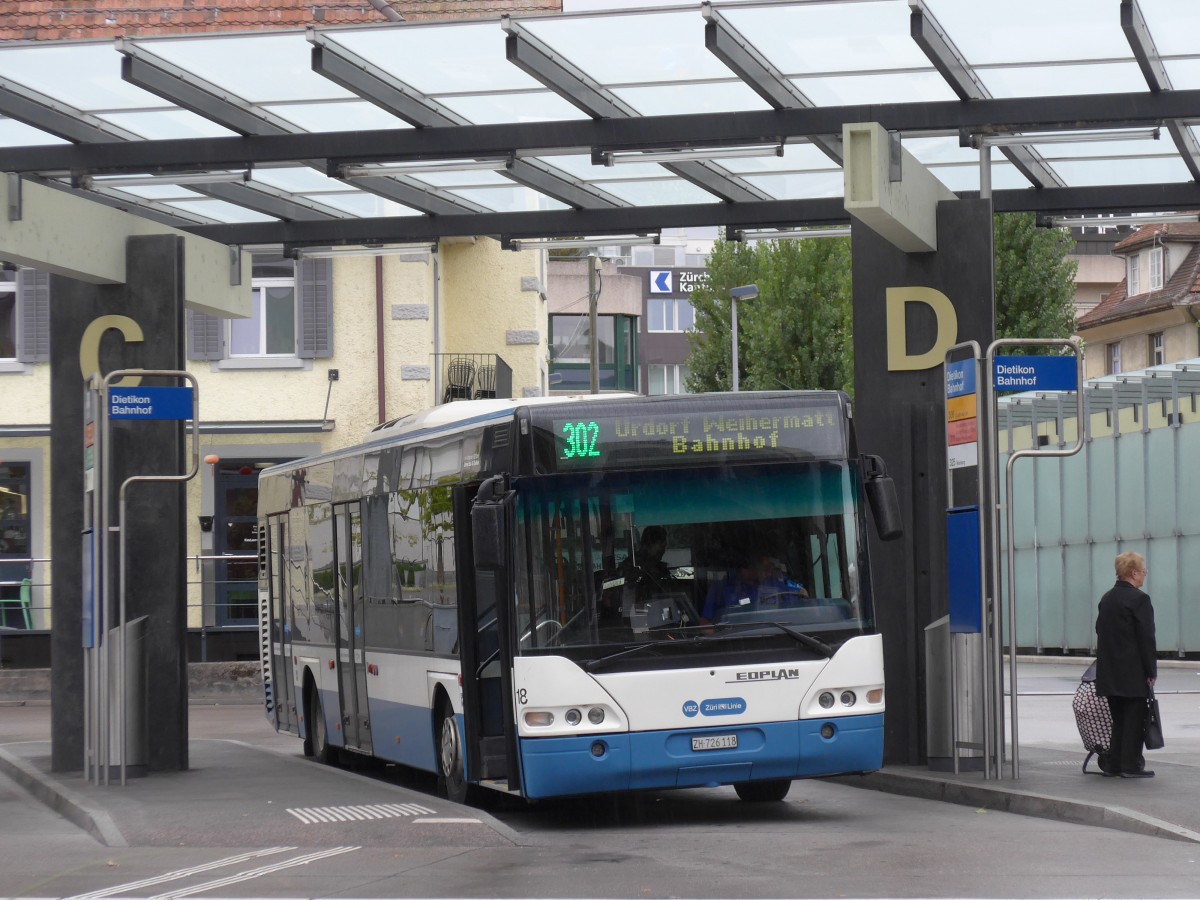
(696,438)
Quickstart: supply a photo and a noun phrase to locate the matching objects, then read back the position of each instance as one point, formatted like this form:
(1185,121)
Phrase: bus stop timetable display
(698,437)
(150,403)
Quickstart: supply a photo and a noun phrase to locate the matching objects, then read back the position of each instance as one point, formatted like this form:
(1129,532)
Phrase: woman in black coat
(1126,662)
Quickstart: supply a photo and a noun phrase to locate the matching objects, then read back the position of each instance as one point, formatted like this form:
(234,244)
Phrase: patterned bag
(1093,719)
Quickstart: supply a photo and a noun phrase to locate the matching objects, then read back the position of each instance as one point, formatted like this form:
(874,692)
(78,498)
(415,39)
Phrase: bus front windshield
(629,557)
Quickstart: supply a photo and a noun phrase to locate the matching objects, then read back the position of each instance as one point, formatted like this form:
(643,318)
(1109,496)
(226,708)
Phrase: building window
(667,380)
(1133,278)
(291,318)
(24,318)
(571,339)
(570,353)
(670,315)
(271,328)
(1114,359)
(8,315)
(15,545)
(1156,268)
(1158,352)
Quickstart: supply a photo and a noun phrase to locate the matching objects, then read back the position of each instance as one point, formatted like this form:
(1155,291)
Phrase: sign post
(103,404)
(963,632)
(1008,374)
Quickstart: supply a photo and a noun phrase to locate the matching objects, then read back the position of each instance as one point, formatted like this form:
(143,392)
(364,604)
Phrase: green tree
(799,332)
(796,334)
(1035,282)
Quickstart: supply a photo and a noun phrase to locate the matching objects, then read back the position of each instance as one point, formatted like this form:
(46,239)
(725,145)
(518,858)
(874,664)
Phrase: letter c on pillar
(899,359)
(89,344)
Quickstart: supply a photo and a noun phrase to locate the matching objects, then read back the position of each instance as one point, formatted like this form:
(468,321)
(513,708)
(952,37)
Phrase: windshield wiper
(593,664)
(806,639)
(799,636)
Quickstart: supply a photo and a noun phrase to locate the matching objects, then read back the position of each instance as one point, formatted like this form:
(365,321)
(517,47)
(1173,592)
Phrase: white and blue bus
(563,596)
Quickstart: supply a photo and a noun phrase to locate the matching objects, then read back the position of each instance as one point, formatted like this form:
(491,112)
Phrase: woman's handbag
(1152,735)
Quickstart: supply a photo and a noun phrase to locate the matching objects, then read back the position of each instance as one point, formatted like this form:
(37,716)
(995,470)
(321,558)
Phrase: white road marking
(251,874)
(180,873)
(446,822)
(310,815)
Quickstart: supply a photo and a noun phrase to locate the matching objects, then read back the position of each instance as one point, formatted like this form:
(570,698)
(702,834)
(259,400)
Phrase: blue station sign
(150,403)
(960,378)
(1034,373)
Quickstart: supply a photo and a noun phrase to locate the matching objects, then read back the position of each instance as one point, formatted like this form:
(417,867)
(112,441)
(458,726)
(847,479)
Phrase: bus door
(351,655)
(485,630)
(282,697)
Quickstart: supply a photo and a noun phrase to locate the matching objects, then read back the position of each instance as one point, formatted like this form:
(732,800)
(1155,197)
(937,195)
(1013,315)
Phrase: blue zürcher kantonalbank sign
(150,403)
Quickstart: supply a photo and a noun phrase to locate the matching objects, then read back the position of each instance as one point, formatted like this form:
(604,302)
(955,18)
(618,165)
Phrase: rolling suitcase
(1093,719)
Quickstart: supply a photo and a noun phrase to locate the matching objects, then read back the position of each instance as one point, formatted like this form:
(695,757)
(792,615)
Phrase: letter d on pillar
(945,334)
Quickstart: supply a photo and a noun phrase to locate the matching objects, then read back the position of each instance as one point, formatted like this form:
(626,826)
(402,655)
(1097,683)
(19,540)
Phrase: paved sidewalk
(1052,786)
(236,794)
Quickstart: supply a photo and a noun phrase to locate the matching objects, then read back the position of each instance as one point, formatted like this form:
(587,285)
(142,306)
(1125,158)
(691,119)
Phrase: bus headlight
(596,715)
(848,698)
(573,717)
(826,700)
(537,719)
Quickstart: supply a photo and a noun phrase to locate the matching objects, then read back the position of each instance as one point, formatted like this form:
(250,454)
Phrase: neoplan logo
(765,675)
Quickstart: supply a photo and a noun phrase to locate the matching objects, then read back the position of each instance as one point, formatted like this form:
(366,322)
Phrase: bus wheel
(763,791)
(316,727)
(452,776)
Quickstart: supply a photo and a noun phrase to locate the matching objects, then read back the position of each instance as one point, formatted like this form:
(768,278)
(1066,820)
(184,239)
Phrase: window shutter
(33,289)
(315,285)
(206,336)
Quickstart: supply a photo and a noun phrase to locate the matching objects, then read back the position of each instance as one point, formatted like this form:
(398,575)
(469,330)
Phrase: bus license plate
(715,742)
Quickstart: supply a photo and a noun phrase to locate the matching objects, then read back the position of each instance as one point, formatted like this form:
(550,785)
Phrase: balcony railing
(472,376)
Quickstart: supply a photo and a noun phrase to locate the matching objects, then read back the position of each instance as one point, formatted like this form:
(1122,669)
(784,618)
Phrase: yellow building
(336,345)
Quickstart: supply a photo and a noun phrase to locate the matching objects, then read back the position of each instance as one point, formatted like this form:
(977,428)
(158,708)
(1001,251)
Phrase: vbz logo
(690,708)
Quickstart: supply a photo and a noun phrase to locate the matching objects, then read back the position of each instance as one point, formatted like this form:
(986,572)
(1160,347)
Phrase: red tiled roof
(1183,287)
(1147,233)
(52,20)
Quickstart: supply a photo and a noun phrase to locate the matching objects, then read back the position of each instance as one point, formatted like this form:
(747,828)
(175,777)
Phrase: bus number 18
(582,438)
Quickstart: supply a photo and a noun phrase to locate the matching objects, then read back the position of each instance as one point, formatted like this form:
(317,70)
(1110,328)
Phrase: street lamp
(745,292)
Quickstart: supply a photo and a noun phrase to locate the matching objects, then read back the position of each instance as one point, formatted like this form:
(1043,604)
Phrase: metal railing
(201,593)
(472,376)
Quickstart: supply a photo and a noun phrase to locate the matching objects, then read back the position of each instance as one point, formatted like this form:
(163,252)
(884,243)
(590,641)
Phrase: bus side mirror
(881,495)
(489,518)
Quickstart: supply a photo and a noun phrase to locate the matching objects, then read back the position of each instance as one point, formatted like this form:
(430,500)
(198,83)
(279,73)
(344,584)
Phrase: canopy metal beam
(634,220)
(39,111)
(360,77)
(1158,79)
(390,94)
(995,116)
(143,68)
(958,74)
(535,59)
(727,44)
(548,223)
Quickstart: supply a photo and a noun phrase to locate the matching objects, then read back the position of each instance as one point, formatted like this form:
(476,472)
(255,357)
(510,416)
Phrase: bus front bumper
(555,767)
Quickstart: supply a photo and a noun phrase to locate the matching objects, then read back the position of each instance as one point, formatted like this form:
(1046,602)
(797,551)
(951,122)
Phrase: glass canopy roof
(393,96)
